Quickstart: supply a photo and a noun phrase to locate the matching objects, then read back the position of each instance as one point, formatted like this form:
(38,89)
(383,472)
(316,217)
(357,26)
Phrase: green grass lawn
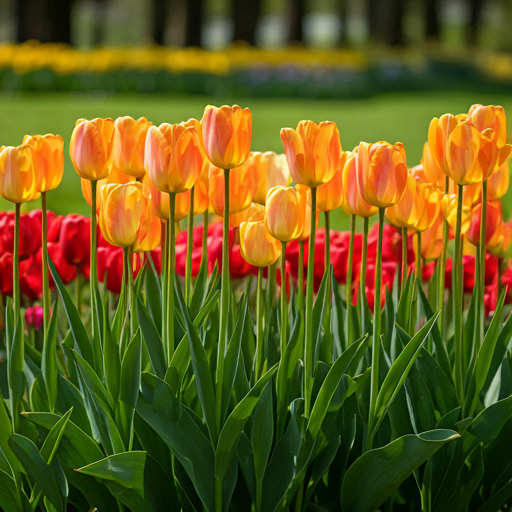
(397,117)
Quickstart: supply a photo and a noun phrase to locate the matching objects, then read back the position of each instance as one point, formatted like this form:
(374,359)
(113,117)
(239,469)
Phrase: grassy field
(393,118)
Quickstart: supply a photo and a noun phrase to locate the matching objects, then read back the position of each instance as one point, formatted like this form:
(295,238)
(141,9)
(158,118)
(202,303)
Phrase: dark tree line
(50,20)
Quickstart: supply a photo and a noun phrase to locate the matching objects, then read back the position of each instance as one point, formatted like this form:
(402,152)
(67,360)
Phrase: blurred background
(381,69)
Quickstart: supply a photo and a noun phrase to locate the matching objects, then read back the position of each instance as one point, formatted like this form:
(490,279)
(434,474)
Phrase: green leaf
(353,354)
(200,366)
(111,361)
(403,312)
(152,339)
(498,499)
(399,371)
(153,292)
(75,323)
(235,423)
(38,469)
(15,364)
(11,500)
(49,365)
(373,477)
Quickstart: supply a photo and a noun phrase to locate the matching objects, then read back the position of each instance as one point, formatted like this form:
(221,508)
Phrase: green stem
(205,236)
(309,348)
(326,346)
(284,303)
(483,243)
(46,280)
(190,242)
(16,299)
(405,251)
(348,286)
(418,259)
(218,494)
(78,292)
(327,246)
(374,387)
(165,283)
(442,264)
(260,356)
(300,291)
(362,277)
(128,275)
(98,357)
(457,298)
(501,264)
(170,279)
(225,290)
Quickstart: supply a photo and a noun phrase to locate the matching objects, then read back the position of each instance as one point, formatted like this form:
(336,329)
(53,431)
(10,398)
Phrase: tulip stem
(483,244)
(442,264)
(46,280)
(225,291)
(78,292)
(16,266)
(170,279)
(260,356)
(362,277)
(190,241)
(93,272)
(326,346)
(284,305)
(405,251)
(374,388)
(204,257)
(128,276)
(458,298)
(418,259)
(309,351)
(165,282)
(300,272)
(327,247)
(348,285)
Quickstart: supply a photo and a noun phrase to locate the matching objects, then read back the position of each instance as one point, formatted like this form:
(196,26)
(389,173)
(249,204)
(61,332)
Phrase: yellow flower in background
(432,239)
(121,212)
(240,189)
(227,134)
(268,170)
(257,245)
(18,182)
(313,152)
(47,158)
(497,184)
(90,148)
(381,173)
(285,213)
(129,144)
(173,157)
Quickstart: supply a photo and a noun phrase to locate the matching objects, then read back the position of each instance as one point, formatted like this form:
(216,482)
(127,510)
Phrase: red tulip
(30,234)
(6,273)
(75,239)
(34,317)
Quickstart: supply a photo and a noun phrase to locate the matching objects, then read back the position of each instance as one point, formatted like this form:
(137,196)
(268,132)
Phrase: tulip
(150,231)
(238,181)
(237,219)
(449,209)
(432,239)
(110,266)
(493,222)
(285,213)
(258,246)
(29,234)
(406,213)
(227,133)
(330,195)
(433,171)
(501,247)
(439,133)
(90,148)
(18,181)
(75,239)
(268,170)
(313,152)
(497,184)
(129,144)
(34,317)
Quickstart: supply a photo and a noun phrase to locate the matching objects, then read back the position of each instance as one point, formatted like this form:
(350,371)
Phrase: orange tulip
(173,157)
(313,152)
(254,209)
(305,192)
(257,245)
(129,144)
(90,148)
(439,133)
(432,239)
(353,202)
(497,184)
(150,227)
(494,219)
(428,197)
(285,212)
(121,212)
(240,187)
(381,173)
(47,158)
(268,170)
(493,117)
(227,133)
(115,176)
(432,170)
(18,182)
(159,200)
(330,195)
(406,212)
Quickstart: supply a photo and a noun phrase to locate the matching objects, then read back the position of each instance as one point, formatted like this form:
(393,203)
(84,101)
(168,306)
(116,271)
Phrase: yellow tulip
(18,181)
(305,193)
(268,170)
(330,195)
(285,212)
(236,219)
(257,245)
(47,158)
(497,184)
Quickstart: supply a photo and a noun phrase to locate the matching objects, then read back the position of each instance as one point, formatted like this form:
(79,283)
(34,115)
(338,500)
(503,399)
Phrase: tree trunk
(297,10)
(396,36)
(343,10)
(432,19)
(159,21)
(245,20)
(194,23)
(62,21)
(475,19)
(99,27)
(34,20)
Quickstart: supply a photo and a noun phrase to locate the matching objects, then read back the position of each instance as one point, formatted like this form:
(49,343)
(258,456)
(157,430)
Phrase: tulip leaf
(111,360)
(152,339)
(80,337)
(498,499)
(11,500)
(49,365)
(373,477)
(153,292)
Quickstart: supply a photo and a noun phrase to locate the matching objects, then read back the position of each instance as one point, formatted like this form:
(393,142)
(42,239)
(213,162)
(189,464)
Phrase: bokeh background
(381,69)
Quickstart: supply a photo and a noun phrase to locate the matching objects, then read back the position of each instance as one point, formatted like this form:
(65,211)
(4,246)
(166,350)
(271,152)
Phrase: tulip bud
(353,202)
(129,144)
(240,186)
(285,212)
(257,245)
(18,181)
(313,152)
(268,170)
(227,133)
(497,184)
(381,173)
(122,208)
(330,195)
(173,157)
(90,148)
(494,218)
(48,159)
